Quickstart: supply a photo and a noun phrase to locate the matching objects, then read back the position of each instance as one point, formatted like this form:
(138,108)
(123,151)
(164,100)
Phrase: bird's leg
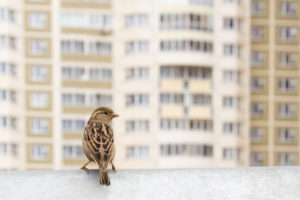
(113,167)
(85,168)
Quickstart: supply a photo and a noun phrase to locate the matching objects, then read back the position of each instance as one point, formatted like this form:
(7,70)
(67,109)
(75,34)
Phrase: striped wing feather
(100,140)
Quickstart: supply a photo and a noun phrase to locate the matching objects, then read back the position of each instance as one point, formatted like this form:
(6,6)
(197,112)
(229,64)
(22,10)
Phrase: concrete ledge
(220,184)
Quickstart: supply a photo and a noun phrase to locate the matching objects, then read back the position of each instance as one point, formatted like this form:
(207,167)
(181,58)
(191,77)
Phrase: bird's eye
(105,113)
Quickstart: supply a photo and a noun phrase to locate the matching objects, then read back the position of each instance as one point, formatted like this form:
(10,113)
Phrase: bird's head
(104,114)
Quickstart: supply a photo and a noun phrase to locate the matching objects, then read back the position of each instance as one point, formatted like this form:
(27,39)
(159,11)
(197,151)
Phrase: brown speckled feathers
(98,142)
(100,139)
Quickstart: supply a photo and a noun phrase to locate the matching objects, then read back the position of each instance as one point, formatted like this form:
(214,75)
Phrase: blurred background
(197,83)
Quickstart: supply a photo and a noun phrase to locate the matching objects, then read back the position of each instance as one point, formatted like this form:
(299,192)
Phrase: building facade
(177,72)
(274,83)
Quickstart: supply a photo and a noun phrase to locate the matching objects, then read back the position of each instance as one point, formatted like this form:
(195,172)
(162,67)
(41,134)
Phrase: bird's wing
(99,137)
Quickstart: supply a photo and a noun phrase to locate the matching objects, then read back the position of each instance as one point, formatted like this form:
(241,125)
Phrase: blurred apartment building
(177,72)
(275,82)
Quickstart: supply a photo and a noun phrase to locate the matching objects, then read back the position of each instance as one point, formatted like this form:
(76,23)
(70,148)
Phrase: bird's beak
(114,115)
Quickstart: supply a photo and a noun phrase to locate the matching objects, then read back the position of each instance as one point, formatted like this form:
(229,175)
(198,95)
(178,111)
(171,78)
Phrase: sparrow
(98,142)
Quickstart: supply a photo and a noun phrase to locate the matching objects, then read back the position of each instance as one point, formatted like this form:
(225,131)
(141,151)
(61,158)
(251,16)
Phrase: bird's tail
(104,179)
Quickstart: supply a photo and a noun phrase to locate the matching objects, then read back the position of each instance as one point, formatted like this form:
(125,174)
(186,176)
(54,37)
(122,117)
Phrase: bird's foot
(85,169)
(114,169)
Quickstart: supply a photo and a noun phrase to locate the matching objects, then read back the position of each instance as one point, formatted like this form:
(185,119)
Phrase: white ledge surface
(184,184)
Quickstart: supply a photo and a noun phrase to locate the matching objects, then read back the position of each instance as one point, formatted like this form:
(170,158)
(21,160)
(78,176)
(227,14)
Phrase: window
(137,126)
(102,22)
(72,152)
(257,7)
(232,50)
(73,99)
(171,98)
(39,152)
(8,42)
(3,95)
(39,100)
(38,20)
(3,149)
(186,45)
(8,122)
(3,121)
(14,149)
(288,9)
(172,124)
(256,134)
(136,47)
(231,128)
(8,149)
(231,76)
(186,21)
(286,84)
(188,150)
(198,73)
(257,84)
(232,1)
(67,125)
(83,74)
(138,20)
(38,47)
(231,23)
(257,33)
(286,110)
(201,99)
(286,159)
(287,135)
(171,72)
(182,124)
(100,74)
(287,60)
(231,102)
(201,2)
(85,47)
(256,158)
(8,69)
(137,100)
(200,125)
(137,73)
(174,72)
(99,48)
(8,96)
(100,100)
(73,125)
(7,15)
(288,34)
(72,47)
(231,154)
(257,58)
(67,99)
(138,152)
(88,100)
(73,73)
(38,73)
(86,21)
(257,109)
(39,126)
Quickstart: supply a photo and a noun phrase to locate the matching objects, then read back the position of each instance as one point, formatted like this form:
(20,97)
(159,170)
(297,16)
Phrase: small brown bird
(98,142)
